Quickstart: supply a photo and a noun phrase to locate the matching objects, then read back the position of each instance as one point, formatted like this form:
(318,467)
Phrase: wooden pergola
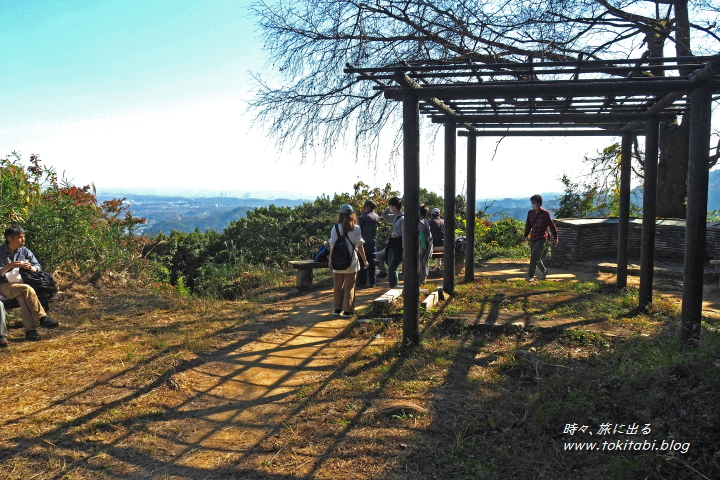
(623,98)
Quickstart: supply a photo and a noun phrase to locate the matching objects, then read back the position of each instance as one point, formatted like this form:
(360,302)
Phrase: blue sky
(151,94)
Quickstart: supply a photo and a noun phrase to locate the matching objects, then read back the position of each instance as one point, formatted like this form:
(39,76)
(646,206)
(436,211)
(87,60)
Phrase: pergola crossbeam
(623,97)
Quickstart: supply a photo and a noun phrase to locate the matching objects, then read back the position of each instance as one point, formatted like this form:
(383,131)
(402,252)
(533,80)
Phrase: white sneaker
(542,275)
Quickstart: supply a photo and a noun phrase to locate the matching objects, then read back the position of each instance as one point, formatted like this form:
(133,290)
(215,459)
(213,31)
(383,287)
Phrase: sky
(152,94)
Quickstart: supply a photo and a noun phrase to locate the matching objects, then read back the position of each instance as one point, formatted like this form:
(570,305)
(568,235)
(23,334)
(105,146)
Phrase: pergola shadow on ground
(624,98)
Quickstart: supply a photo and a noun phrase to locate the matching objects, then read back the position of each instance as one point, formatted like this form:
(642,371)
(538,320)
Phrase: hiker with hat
(345,238)
(437,227)
(369,221)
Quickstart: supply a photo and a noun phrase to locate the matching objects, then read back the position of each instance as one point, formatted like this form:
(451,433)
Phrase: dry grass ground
(142,383)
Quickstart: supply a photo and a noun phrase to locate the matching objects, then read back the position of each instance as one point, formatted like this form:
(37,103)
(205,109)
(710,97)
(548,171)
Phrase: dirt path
(233,416)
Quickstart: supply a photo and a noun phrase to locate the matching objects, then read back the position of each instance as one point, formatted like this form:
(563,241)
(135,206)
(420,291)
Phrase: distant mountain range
(165,213)
(518,207)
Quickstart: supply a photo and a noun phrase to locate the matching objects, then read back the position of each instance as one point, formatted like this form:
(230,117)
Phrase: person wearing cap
(344,280)
(437,227)
(369,221)
(14,255)
(537,225)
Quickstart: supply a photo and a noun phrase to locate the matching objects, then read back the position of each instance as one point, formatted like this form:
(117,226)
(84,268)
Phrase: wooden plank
(430,301)
(300,264)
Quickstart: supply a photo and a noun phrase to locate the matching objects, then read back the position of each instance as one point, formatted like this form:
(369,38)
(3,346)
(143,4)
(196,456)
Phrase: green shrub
(66,228)
(501,238)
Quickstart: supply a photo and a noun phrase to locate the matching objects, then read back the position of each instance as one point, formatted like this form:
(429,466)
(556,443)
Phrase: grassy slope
(460,405)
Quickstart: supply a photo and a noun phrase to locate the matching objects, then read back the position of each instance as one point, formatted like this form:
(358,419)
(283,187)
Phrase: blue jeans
(367,277)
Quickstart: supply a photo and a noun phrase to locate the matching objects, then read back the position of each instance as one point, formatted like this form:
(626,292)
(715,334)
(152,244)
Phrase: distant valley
(165,213)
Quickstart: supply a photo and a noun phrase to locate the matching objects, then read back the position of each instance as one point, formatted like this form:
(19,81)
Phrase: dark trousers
(537,252)
(394,258)
(367,277)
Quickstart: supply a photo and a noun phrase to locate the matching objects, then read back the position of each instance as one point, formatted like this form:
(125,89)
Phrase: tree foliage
(307,101)
(66,227)
(598,195)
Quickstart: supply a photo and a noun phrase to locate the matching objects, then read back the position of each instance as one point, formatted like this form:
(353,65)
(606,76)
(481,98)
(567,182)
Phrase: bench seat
(305,271)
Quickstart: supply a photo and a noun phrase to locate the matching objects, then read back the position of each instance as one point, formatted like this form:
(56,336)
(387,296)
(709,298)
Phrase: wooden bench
(305,271)
(10,303)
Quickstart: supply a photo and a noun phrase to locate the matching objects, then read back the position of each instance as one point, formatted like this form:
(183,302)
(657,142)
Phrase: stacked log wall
(594,238)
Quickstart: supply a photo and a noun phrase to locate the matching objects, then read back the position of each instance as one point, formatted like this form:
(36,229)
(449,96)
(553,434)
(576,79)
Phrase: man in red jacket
(537,225)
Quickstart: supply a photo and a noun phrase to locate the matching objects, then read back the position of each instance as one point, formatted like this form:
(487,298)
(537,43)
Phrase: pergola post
(411,197)
(697,191)
(647,244)
(449,207)
(470,214)
(624,210)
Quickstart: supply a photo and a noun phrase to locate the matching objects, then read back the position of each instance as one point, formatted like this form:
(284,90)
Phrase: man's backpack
(342,254)
(322,254)
(460,246)
(41,281)
(43,284)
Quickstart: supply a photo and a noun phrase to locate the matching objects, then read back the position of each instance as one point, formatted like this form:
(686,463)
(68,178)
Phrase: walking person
(537,225)
(345,237)
(369,221)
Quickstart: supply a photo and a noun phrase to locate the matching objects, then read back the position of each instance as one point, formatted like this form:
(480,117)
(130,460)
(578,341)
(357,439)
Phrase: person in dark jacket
(537,225)
(437,227)
(369,221)
(14,255)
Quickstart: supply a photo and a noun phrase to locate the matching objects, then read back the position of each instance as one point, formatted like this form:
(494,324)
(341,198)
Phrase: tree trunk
(672,171)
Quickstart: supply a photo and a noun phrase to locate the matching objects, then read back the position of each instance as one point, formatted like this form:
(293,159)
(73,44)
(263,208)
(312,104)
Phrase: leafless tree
(306,101)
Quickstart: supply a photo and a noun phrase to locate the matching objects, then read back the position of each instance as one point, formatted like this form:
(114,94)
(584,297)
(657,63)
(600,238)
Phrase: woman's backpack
(342,254)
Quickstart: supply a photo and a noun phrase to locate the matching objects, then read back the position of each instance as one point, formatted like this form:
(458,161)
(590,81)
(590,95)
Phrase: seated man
(14,254)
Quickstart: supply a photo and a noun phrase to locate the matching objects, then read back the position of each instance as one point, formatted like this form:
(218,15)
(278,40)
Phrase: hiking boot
(3,342)
(32,336)
(48,322)
(542,275)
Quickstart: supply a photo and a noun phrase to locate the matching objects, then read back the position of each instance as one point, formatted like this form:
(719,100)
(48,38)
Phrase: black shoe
(3,342)
(347,314)
(32,335)
(48,322)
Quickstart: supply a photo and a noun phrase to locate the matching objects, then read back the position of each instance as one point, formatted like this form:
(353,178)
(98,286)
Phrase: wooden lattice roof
(584,97)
